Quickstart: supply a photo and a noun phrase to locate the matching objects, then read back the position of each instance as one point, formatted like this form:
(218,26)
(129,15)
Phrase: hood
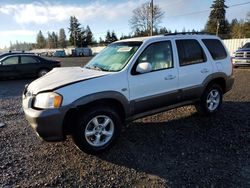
(60,77)
(243,50)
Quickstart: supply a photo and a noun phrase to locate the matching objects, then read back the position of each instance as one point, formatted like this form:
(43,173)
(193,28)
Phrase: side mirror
(144,67)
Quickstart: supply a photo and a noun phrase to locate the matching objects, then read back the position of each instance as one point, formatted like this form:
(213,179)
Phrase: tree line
(217,24)
(142,23)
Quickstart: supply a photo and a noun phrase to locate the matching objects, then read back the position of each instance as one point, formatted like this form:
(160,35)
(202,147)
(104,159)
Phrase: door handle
(170,77)
(204,70)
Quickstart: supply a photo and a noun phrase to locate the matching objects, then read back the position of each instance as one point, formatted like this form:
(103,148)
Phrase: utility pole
(218,26)
(152,17)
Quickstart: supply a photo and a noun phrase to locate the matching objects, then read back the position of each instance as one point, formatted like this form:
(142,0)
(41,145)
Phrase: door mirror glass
(144,67)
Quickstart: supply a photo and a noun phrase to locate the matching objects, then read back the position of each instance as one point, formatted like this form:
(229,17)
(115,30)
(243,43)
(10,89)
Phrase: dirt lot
(176,148)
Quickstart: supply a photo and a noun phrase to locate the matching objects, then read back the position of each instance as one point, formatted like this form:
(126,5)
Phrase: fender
(104,95)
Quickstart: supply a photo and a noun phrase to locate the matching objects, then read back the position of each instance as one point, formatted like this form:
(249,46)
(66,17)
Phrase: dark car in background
(25,65)
(242,56)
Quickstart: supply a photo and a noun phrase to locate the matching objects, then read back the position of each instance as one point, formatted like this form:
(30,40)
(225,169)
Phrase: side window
(190,52)
(215,48)
(10,61)
(159,55)
(28,60)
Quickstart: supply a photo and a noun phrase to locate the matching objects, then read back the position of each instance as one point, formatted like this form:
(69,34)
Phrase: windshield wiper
(97,68)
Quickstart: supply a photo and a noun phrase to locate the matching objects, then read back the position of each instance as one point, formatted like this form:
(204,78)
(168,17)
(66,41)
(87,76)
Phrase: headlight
(48,100)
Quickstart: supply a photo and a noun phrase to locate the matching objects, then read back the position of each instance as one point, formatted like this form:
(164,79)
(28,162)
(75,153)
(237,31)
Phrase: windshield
(114,57)
(247,45)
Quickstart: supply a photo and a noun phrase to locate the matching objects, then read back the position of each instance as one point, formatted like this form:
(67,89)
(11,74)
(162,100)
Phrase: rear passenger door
(194,67)
(28,66)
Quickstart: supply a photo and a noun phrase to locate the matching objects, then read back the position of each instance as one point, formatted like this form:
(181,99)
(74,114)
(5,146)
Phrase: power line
(239,4)
(207,10)
(186,14)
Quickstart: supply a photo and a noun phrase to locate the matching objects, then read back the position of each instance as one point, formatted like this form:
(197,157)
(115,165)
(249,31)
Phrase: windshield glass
(247,45)
(114,57)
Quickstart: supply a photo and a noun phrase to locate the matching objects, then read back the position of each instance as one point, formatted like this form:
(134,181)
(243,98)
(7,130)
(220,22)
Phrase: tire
(91,135)
(211,100)
(42,72)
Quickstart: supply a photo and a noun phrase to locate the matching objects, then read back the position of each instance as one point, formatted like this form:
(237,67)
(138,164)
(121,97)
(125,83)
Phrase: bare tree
(142,18)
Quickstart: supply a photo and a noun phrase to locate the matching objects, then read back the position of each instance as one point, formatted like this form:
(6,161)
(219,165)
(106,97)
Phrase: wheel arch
(217,78)
(110,98)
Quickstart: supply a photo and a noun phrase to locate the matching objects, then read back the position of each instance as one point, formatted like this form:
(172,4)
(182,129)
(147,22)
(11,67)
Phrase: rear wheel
(96,129)
(42,72)
(211,100)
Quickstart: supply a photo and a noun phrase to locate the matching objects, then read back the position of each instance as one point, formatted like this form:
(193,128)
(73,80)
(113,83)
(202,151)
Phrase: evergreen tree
(50,40)
(62,39)
(54,40)
(101,41)
(163,31)
(217,23)
(40,40)
(75,31)
(113,37)
(108,38)
(89,36)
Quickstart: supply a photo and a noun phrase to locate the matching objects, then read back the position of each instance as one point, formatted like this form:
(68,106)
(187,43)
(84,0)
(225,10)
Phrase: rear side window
(28,60)
(190,52)
(215,48)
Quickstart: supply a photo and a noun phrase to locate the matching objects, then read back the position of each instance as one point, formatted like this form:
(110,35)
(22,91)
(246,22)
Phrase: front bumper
(241,62)
(47,123)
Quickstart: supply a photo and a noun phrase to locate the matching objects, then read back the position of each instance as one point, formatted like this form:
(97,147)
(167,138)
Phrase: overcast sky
(22,19)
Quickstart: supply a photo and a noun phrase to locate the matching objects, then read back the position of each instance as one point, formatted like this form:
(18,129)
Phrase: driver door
(8,67)
(159,87)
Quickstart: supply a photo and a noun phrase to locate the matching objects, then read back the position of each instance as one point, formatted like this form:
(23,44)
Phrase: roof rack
(20,51)
(188,33)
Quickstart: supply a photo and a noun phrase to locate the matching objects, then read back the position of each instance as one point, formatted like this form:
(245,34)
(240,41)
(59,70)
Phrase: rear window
(190,52)
(215,48)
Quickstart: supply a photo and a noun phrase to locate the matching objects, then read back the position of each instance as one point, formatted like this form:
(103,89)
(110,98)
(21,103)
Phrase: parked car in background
(25,65)
(242,56)
(59,53)
(129,79)
(86,52)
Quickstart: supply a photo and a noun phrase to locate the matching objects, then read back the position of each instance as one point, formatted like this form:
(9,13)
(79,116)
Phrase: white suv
(129,79)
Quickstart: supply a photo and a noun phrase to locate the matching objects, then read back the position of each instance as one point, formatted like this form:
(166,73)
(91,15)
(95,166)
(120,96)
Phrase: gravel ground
(177,148)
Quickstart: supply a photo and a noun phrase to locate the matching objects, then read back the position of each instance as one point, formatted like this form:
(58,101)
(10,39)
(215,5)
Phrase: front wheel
(211,100)
(96,129)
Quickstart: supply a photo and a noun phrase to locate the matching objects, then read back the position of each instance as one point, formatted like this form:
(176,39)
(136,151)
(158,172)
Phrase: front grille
(242,54)
(247,54)
(239,54)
